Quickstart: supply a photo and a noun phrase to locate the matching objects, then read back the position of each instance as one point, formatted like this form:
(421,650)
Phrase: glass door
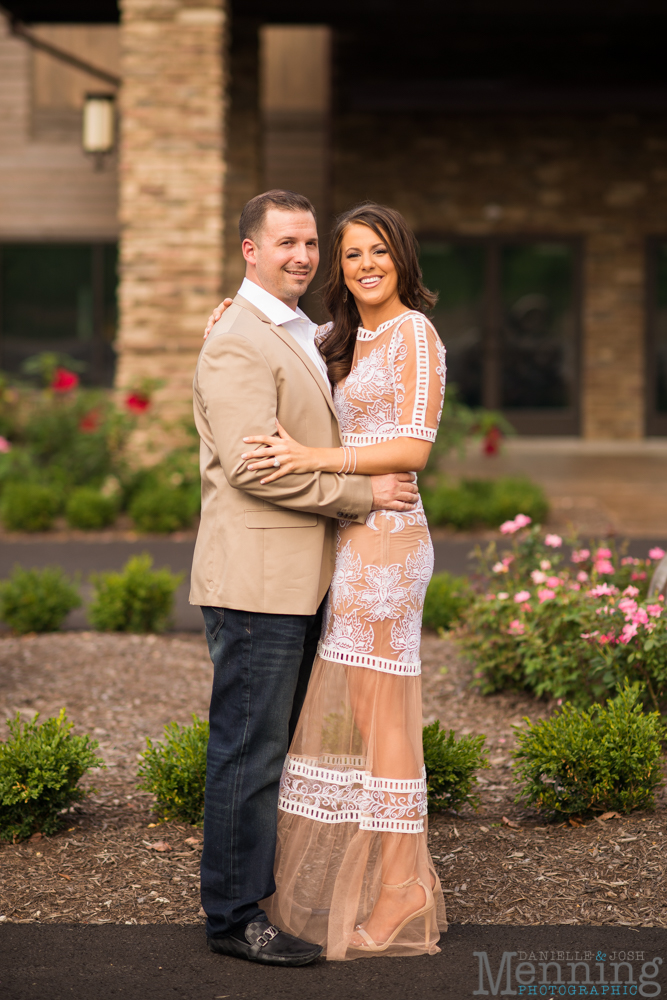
(59,297)
(508,314)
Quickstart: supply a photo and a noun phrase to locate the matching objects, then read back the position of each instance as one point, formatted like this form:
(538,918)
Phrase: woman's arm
(403,454)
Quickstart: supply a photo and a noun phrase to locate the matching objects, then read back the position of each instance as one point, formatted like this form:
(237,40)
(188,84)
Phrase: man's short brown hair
(254,211)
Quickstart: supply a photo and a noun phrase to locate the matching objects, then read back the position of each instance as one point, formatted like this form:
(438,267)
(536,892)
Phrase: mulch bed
(112,864)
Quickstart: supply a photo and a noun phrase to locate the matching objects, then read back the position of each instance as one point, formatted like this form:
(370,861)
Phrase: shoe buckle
(268,935)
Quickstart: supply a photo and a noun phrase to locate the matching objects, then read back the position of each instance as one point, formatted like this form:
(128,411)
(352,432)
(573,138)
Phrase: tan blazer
(265,548)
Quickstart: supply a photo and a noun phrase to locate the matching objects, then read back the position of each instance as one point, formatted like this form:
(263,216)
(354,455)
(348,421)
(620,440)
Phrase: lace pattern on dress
(353,795)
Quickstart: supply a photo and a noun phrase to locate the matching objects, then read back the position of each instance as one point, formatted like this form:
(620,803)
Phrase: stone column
(613,349)
(171,188)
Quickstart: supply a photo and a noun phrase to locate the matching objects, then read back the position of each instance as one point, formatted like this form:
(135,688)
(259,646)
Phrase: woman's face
(368,270)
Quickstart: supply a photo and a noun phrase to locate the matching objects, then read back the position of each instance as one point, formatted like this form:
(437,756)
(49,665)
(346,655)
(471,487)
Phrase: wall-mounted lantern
(99,127)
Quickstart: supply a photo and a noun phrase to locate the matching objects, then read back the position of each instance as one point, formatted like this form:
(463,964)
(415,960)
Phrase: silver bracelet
(355,460)
(344,450)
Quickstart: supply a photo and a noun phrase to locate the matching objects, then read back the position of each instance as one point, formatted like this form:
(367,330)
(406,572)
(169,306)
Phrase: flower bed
(65,451)
(565,628)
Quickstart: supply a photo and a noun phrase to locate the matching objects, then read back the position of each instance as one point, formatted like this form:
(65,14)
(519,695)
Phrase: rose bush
(58,438)
(569,628)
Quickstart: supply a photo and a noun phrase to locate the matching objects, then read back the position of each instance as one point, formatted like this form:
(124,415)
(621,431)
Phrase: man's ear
(249,251)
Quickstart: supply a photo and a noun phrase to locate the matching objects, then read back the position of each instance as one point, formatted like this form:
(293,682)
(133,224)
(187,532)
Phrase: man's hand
(215,315)
(397,491)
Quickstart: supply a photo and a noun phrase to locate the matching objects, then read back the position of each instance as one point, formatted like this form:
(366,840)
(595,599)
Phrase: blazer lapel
(290,342)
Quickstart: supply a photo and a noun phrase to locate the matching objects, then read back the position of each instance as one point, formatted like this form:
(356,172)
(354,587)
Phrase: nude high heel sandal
(425,911)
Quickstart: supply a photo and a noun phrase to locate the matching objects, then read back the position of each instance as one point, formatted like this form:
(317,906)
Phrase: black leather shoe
(260,941)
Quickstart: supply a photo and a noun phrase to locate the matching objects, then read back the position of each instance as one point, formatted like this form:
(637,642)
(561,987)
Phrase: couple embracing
(311,566)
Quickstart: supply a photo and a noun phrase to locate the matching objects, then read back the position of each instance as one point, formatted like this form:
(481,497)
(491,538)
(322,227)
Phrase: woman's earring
(345,294)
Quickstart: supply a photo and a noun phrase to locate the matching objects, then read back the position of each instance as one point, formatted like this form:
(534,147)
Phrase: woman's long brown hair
(392,229)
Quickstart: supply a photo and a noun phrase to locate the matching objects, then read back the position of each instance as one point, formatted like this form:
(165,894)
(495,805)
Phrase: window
(508,314)
(656,354)
(59,297)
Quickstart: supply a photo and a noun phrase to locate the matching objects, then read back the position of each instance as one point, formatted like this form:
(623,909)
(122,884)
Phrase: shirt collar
(272,307)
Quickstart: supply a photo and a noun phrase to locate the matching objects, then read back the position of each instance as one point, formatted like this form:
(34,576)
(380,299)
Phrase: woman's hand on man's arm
(402,454)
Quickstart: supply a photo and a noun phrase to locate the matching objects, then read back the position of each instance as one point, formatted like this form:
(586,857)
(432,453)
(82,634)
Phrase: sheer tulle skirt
(353,811)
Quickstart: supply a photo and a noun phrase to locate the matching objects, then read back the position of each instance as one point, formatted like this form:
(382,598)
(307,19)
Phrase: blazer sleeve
(238,393)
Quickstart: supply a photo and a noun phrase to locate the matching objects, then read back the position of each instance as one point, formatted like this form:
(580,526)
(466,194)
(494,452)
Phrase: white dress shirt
(297,324)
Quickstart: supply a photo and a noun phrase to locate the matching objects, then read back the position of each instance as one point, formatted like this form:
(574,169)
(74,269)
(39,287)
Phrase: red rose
(491,442)
(137,403)
(64,380)
(90,422)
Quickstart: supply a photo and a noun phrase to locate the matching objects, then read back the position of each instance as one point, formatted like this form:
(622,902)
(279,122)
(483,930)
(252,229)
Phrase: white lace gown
(353,792)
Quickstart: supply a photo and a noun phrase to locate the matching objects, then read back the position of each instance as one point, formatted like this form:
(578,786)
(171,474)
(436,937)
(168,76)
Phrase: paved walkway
(157,962)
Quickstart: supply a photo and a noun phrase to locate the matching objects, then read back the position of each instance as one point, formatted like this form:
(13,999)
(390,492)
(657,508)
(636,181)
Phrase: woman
(352,867)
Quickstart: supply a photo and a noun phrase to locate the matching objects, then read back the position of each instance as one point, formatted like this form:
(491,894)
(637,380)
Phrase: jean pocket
(214,619)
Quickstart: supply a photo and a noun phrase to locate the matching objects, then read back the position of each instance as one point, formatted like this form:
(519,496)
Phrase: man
(263,562)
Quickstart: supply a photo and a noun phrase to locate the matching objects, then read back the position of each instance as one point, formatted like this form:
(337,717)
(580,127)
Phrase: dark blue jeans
(262,665)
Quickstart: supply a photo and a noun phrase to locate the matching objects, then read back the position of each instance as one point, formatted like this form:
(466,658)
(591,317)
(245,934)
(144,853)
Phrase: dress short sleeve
(417,358)
(322,333)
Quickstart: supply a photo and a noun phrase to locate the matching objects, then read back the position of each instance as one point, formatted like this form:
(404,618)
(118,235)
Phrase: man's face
(284,257)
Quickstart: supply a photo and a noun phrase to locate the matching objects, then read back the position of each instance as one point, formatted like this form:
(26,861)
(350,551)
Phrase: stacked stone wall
(171,188)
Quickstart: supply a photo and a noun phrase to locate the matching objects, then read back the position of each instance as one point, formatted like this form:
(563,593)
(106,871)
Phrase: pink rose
(637,576)
(628,632)
(516,627)
(5,446)
(546,594)
(500,568)
(603,566)
(603,554)
(545,564)
(575,586)
(640,617)
(656,553)
(580,555)
(582,576)
(554,581)
(537,576)
(522,520)
(523,595)
(508,527)
(630,592)
(603,590)
(553,541)
(655,610)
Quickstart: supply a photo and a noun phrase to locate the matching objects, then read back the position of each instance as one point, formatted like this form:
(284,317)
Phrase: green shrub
(175,771)
(40,768)
(29,506)
(597,759)
(89,509)
(450,767)
(161,509)
(37,600)
(139,599)
(483,501)
(446,598)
